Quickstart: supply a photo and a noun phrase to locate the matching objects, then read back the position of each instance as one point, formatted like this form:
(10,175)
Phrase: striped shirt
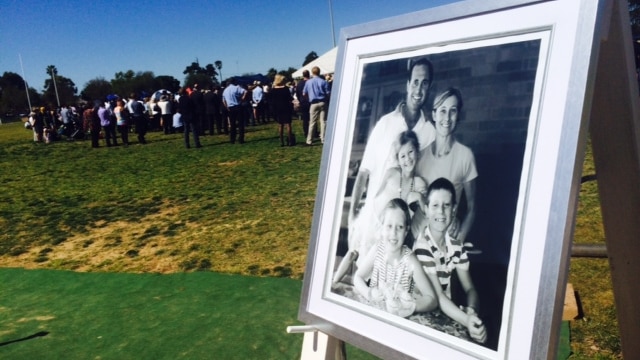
(436,262)
(385,274)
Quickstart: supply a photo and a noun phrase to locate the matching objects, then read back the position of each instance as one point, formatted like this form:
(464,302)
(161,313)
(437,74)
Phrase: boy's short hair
(442,184)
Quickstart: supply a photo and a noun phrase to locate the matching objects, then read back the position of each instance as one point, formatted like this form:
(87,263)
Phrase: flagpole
(53,76)
(26,87)
(333,32)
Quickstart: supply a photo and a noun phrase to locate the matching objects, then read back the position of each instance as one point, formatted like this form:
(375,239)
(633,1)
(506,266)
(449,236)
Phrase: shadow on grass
(36,335)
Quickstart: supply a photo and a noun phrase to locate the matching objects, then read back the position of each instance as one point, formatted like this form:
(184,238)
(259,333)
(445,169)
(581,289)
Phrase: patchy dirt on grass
(165,242)
(147,245)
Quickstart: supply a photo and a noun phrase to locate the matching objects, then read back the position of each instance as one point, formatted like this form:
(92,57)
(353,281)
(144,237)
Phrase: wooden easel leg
(615,134)
(318,345)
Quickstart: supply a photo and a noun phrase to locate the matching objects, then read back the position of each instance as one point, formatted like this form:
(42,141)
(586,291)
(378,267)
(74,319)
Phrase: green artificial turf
(52,314)
(201,315)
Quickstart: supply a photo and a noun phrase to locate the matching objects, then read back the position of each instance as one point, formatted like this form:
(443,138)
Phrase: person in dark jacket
(304,102)
(186,108)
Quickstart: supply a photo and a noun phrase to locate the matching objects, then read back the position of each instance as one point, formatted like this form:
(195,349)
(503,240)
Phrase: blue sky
(87,40)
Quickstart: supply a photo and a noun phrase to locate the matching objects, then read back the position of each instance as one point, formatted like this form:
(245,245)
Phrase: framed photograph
(449,180)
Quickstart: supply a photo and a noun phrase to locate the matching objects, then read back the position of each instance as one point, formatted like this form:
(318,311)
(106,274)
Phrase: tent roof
(326,62)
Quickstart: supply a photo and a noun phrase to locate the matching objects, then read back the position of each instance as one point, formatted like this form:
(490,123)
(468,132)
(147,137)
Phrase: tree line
(60,90)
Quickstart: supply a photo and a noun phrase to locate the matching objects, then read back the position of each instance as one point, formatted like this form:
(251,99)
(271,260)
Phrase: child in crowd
(393,269)
(440,255)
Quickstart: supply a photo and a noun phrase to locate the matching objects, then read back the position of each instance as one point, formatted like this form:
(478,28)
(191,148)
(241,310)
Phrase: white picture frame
(525,70)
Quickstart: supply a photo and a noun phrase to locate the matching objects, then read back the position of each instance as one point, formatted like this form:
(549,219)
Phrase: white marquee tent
(326,62)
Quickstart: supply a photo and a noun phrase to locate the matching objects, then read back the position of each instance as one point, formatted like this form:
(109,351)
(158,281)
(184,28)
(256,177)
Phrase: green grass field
(128,214)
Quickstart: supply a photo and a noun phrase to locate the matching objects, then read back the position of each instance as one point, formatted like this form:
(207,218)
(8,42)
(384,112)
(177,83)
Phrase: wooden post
(318,345)
(615,135)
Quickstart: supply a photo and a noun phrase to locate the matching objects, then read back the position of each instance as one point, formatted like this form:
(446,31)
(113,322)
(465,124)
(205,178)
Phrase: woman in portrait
(447,158)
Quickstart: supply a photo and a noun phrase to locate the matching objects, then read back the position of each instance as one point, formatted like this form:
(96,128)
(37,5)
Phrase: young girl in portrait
(400,181)
(397,282)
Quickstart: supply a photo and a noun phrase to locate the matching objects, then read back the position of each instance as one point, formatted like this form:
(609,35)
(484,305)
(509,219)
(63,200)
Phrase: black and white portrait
(457,121)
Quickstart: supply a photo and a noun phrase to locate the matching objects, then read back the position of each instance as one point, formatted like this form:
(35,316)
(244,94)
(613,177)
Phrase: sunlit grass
(248,208)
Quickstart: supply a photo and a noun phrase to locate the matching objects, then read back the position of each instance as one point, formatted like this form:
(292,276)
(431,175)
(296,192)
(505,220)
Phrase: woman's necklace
(400,190)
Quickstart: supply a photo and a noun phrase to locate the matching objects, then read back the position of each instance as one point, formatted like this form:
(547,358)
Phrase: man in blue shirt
(232,98)
(317,91)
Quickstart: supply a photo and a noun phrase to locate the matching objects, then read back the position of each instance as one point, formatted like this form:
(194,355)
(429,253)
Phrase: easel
(612,108)
(615,136)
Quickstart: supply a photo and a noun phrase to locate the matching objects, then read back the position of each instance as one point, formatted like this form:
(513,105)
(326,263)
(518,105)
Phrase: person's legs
(124,134)
(95,138)
(242,120)
(281,132)
(107,135)
(289,134)
(166,123)
(195,129)
(210,123)
(304,114)
(141,128)
(323,120)
(114,134)
(218,120)
(233,120)
(186,125)
(314,113)
(225,120)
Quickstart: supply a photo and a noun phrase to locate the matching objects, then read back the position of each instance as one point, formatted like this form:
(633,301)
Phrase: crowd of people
(407,232)
(223,110)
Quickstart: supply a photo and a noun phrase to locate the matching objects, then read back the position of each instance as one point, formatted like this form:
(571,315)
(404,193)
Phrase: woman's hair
(441,97)
(407,137)
(442,184)
(279,80)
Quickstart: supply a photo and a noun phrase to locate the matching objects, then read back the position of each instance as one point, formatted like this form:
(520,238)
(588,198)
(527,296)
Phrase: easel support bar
(318,345)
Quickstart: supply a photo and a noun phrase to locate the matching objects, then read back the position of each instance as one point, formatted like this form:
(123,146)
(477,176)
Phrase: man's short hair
(305,73)
(420,62)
